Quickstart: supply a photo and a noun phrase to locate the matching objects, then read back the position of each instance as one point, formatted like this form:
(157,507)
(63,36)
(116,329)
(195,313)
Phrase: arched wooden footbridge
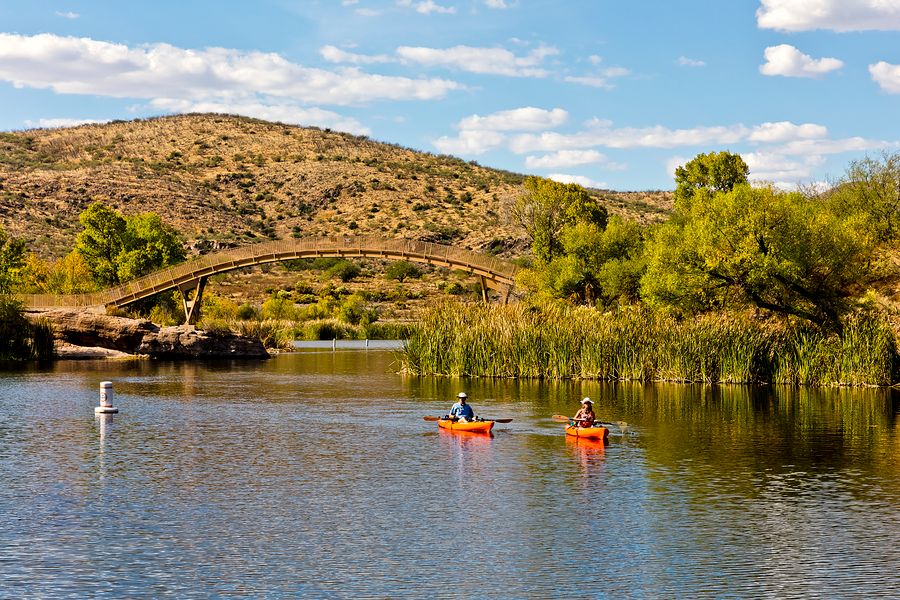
(190,277)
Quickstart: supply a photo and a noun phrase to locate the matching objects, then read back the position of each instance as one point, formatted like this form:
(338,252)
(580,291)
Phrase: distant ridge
(227,181)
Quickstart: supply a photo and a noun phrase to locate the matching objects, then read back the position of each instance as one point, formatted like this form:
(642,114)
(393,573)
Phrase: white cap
(461,395)
(586,401)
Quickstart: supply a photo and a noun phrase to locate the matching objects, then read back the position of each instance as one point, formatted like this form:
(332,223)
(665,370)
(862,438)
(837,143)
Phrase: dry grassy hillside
(225,180)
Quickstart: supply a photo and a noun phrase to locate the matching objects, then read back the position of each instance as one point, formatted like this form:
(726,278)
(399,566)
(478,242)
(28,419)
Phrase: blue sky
(608,94)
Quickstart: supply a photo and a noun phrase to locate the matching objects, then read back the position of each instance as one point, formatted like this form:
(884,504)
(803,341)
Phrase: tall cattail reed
(557,341)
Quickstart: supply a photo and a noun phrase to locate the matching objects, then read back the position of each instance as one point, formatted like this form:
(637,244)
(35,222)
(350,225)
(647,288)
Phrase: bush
(401,270)
(344,270)
(246,312)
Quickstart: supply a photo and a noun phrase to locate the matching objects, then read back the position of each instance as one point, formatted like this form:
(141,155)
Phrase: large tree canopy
(547,206)
(12,259)
(758,246)
(713,172)
(118,249)
(872,187)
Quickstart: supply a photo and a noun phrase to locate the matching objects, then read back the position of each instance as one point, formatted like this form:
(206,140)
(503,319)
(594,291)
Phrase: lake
(314,475)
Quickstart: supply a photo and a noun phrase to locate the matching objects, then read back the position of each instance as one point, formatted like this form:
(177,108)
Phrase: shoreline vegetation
(559,341)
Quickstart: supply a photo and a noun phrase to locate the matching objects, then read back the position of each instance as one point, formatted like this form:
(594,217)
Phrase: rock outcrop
(140,336)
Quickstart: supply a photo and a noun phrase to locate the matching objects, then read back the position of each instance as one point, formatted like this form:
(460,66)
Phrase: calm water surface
(314,475)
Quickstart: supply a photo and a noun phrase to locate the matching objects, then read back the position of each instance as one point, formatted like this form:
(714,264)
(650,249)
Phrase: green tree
(713,172)
(101,241)
(547,206)
(402,270)
(118,249)
(872,187)
(12,261)
(148,245)
(757,246)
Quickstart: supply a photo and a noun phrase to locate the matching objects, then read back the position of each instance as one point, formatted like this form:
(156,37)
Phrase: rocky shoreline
(81,334)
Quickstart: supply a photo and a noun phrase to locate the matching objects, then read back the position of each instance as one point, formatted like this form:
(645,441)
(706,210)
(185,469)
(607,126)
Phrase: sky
(608,94)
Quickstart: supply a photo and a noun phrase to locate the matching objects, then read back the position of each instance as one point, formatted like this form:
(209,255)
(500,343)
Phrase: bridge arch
(190,277)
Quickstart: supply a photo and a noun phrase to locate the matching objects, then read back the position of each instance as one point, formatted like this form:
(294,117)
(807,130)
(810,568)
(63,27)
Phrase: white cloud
(787,61)
(887,76)
(469,142)
(779,167)
(496,4)
(564,159)
(426,7)
(595,59)
(69,65)
(336,55)
(836,15)
(54,123)
(491,61)
(282,113)
(579,179)
(601,80)
(817,147)
(601,133)
(684,61)
(67,14)
(784,131)
(367,12)
(518,119)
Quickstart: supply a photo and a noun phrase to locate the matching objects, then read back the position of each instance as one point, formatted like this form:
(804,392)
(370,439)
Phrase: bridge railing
(182,274)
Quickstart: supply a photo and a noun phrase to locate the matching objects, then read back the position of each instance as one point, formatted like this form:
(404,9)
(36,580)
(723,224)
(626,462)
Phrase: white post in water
(334,344)
(106,398)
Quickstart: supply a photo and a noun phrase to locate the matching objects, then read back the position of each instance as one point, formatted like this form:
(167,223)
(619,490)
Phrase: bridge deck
(496,273)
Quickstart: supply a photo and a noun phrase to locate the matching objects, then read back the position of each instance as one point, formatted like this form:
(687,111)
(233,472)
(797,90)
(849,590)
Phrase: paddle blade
(432,418)
(500,420)
(561,418)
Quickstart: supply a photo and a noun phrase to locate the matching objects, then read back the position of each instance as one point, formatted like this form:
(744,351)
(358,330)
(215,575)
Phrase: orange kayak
(594,433)
(474,426)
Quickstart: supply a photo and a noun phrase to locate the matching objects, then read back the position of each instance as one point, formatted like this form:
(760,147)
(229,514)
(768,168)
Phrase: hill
(225,180)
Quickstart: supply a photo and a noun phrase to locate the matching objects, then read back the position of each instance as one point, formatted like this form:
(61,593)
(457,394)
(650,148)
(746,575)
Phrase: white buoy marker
(106,398)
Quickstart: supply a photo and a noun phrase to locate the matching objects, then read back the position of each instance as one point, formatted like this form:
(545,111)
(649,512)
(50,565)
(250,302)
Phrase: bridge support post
(506,294)
(484,296)
(190,302)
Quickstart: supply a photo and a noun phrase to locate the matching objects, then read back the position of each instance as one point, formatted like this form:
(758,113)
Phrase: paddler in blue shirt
(461,411)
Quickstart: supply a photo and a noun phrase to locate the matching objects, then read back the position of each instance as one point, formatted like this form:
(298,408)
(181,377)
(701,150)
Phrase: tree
(872,187)
(12,260)
(101,242)
(757,246)
(713,172)
(118,249)
(547,206)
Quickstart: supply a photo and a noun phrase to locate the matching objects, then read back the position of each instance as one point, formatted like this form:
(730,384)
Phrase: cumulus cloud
(784,131)
(69,65)
(835,15)
(887,76)
(684,61)
(67,14)
(603,79)
(55,123)
(496,4)
(336,55)
(787,61)
(489,61)
(469,142)
(426,7)
(779,167)
(564,159)
(528,118)
(579,179)
(282,113)
(602,133)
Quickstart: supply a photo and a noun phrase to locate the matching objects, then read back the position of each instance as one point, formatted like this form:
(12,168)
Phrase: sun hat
(587,401)
(461,395)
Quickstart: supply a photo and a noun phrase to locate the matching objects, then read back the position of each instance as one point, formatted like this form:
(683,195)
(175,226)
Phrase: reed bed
(563,342)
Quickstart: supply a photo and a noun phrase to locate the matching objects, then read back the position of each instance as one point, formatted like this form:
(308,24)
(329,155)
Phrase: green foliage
(401,270)
(546,207)
(118,249)
(344,270)
(68,275)
(279,307)
(247,312)
(757,246)
(20,339)
(101,242)
(12,261)
(871,188)
(713,172)
(595,265)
